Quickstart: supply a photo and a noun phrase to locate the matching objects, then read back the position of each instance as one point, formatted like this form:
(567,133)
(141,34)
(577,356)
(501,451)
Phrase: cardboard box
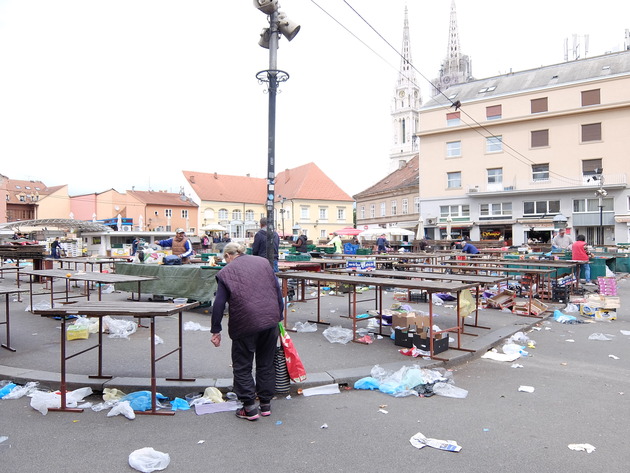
(523,307)
(401,296)
(403,338)
(410,319)
(502,300)
(361,264)
(440,342)
(604,302)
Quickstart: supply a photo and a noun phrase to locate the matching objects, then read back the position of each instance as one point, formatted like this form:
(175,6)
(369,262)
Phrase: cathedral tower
(405,107)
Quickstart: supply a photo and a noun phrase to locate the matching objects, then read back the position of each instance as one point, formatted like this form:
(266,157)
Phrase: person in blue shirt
(180,245)
(469,248)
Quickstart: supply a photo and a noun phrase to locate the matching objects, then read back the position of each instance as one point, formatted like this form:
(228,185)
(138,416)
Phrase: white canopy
(213,227)
(373,233)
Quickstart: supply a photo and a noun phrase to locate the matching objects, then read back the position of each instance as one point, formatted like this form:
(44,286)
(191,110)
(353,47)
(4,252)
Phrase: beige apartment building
(511,156)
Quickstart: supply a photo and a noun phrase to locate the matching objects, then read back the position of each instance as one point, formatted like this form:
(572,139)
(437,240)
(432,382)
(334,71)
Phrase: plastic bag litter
(402,382)
(571,308)
(42,401)
(449,390)
(420,441)
(558,316)
(41,305)
(112,394)
(124,408)
(196,327)
(147,460)
(514,349)
(20,391)
(212,394)
(179,404)
(436,300)
(157,340)
(6,389)
(625,332)
(581,447)
(141,400)
(103,405)
(467,303)
(367,383)
(600,336)
(305,327)
(107,289)
(119,328)
(338,334)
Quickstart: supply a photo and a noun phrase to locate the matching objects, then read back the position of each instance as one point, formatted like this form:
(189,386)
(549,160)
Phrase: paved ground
(36,340)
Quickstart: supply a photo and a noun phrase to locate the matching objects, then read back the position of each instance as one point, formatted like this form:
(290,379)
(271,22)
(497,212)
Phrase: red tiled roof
(399,179)
(308,182)
(223,188)
(17,187)
(161,198)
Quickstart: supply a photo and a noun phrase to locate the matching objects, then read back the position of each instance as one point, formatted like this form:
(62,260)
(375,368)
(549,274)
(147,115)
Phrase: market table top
(467,278)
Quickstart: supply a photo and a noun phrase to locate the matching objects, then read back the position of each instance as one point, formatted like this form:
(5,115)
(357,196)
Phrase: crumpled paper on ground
(420,441)
(581,447)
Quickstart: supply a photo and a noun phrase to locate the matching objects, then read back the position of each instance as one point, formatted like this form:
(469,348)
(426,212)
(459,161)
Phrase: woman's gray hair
(233,248)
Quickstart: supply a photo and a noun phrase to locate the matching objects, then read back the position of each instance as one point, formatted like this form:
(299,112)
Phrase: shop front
(498,233)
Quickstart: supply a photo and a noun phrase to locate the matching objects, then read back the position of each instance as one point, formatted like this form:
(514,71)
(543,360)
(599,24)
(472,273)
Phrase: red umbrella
(348,231)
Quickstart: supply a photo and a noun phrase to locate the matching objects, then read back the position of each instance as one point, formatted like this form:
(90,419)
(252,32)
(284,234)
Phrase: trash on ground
(157,340)
(493,355)
(526,389)
(407,381)
(420,441)
(305,327)
(119,328)
(516,365)
(124,408)
(338,334)
(324,426)
(141,400)
(42,401)
(179,404)
(449,390)
(213,408)
(112,394)
(558,316)
(613,357)
(18,391)
(318,390)
(600,336)
(147,460)
(196,327)
(581,447)
(625,332)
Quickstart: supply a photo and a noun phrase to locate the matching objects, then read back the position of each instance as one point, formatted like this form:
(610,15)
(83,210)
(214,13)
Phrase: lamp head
(266,6)
(288,28)
(263,42)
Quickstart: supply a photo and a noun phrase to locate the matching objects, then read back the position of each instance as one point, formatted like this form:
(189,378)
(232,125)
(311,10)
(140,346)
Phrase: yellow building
(507,157)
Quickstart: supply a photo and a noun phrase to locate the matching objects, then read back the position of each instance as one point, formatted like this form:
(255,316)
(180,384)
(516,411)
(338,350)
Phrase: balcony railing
(610,180)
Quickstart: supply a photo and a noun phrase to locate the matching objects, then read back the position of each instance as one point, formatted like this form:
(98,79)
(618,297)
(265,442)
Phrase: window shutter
(540,138)
(493,111)
(592,132)
(590,97)
(539,105)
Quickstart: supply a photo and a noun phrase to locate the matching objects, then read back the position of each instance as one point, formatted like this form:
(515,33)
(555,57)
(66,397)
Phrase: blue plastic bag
(6,389)
(367,383)
(141,400)
(179,404)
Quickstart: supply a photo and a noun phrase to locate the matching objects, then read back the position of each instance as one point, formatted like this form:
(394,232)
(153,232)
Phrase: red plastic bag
(295,367)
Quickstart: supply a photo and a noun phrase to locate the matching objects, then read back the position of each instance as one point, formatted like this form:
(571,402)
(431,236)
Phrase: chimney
(192,178)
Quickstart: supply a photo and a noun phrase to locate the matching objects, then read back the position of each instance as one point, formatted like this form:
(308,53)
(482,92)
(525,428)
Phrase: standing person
(55,249)
(561,241)
(180,245)
(251,290)
(205,242)
(226,238)
(469,248)
(335,241)
(580,252)
(134,245)
(382,245)
(300,244)
(259,247)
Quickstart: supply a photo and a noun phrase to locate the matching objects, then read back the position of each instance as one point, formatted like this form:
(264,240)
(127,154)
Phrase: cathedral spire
(456,67)
(406,75)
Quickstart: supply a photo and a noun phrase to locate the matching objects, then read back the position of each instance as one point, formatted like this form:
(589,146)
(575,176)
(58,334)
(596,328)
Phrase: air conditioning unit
(473,189)
(431,221)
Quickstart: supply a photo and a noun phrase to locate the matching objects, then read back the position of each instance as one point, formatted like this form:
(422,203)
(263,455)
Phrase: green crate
(364,251)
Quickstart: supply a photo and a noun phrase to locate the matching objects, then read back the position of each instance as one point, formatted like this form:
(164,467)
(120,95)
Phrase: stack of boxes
(412,330)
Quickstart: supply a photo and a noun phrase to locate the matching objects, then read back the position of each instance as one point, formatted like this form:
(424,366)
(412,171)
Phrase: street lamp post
(278,23)
(600,193)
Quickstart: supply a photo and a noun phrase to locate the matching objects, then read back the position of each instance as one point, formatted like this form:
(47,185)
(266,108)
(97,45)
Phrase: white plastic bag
(147,460)
(119,328)
(338,334)
(21,391)
(305,327)
(124,408)
(195,327)
(449,390)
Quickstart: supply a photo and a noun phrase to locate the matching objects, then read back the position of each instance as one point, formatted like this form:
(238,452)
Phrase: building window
(592,205)
(416,205)
(591,167)
(502,209)
(249,215)
(362,211)
(168,212)
(540,138)
(236,214)
(453,119)
(322,234)
(184,213)
(453,149)
(592,132)
(541,208)
(341,214)
(323,213)
(383,209)
(590,97)
(540,172)
(495,176)
(457,211)
(494,144)
(493,112)
(394,207)
(453,180)
(223,214)
(405,206)
(539,105)
(208,214)
(304,213)
(372,210)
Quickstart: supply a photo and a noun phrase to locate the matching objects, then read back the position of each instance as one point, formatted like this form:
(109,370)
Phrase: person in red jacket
(581,252)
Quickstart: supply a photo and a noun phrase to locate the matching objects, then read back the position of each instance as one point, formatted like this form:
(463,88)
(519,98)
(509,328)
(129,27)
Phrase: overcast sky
(120,93)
